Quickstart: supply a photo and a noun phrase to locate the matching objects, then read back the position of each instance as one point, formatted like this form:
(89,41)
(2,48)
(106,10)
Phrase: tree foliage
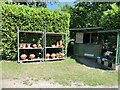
(92,14)
(111,18)
(32,3)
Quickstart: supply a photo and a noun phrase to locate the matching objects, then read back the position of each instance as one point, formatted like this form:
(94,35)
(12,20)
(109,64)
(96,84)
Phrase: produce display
(58,44)
(29,45)
(41,46)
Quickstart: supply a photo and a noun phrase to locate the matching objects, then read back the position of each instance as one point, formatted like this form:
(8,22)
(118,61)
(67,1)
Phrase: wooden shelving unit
(44,49)
(31,49)
(55,49)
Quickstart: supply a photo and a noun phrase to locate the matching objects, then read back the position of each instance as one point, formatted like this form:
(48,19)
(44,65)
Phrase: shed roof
(86,29)
(108,31)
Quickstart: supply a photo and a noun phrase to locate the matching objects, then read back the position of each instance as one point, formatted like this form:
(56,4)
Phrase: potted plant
(57,44)
(57,55)
(28,45)
(31,56)
(39,46)
(62,55)
(53,45)
(53,55)
(34,46)
(24,45)
(23,56)
(61,44)
(47,55)
(21,45)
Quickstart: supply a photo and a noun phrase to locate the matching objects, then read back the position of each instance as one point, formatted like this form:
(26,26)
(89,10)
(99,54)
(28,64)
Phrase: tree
(32,3)
(86,14)
(37,4)
(111,18)
(93,14)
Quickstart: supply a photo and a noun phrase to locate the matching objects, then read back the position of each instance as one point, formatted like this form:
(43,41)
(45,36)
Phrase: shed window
(90,38)
(86,38)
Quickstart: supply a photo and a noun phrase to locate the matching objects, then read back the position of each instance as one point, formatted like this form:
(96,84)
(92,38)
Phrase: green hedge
(29,19)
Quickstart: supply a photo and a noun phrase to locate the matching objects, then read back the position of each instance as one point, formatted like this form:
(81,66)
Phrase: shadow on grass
(89,62)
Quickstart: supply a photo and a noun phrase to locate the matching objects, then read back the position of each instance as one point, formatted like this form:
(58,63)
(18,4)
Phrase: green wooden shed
(97,42)
(115,32)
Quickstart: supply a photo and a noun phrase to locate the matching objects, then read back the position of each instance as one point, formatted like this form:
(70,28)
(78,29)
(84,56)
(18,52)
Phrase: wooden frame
(44,33)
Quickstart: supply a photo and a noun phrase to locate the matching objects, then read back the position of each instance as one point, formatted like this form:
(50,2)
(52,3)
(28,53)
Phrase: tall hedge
(29,19)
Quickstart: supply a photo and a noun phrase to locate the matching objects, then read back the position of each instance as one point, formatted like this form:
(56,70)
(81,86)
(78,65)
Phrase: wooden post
(18,44)
(44,45)
(90,37)
(66,39)
(117,50)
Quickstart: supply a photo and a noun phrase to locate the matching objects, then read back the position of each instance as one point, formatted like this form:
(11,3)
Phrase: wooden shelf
(55,59)
(54,47)
(54,34)
(32,32)
(36,59)
(31,48)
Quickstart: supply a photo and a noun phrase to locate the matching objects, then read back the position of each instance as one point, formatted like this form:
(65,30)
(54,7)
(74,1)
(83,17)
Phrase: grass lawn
(63,72)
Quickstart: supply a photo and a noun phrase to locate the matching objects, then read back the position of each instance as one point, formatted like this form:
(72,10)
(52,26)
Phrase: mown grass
(63,72)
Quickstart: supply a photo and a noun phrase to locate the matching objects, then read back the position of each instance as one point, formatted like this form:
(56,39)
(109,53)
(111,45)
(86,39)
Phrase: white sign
(79,37)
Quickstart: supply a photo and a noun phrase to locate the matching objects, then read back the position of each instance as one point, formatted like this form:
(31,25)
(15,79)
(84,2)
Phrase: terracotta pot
(31,56)
(57,55)
(61,44)
(53,45)
(28,45)
(62,55)
(23,56)
(24,45)
(53,55)
(57,44)
(21,45)
(34,46)
(39,46)
(47,55)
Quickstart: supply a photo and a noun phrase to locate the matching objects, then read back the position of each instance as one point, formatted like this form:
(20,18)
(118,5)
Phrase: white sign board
(79,37)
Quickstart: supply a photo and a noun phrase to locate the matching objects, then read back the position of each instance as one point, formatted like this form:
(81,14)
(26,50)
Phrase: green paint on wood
(81,49)
(118,49)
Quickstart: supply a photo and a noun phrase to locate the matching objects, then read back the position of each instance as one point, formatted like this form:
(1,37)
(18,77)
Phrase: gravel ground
(7,83)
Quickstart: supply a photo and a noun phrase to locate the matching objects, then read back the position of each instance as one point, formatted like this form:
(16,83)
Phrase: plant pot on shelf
(24,45)
(47,55)
(34,46)
(31,56)
(39,46)
(61,44)
(57,44)
(53,55)
(23,56)
(28,45)
(62,55)
(21,45)
(57,55)
(53,45)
